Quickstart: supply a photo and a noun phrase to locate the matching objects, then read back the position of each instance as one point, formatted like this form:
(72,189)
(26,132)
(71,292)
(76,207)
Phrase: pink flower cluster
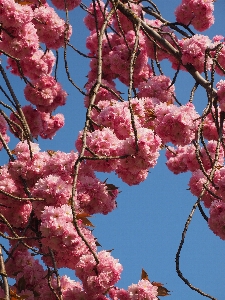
(210,131)
(124,137)
(113,147)
(20,42)
(119,61)
(144,290)
(49,177)
(59,233)
(217,218)
(157,51)
(35,66)
(51,29)
(117,50)
(24,268)
(47,94)
(177,125)
(134,168)
(69,4)
(198,13)
(219,39)
(99,10)
(40,123)
(215,190)
(193,51)
(98,279)
(158,87)
(183,159)
(121,21)
(221,94)
(24,28)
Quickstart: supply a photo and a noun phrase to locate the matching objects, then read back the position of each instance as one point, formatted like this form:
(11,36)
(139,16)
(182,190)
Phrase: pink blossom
(60,234)
(118,294)
(35,66)
(15,211)
(125,23)
(176,124)
(102,143)
(134,168)
(219,41)
(209,126)
(100,11)
(47,94)
(158,51)
(119,57)
(70,4)
(51,29)
(118,118)
(95,196)
(144,290)
(221,94)
(176,159)
(196,184)
(61,164)
(22,149)
(24,267)
(51,124)
(53,189)
(193,51)
(70,288)
(98,278)
(13,14)
(20,42)
(103,93)
(157,87)
(33,119)
(199,13)
(184,158)
(216,219)
(219,180)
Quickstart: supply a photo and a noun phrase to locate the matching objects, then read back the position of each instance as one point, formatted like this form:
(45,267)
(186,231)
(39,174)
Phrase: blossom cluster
(124,137)
(129,130)
(49,180)
(198,13)
(24,29)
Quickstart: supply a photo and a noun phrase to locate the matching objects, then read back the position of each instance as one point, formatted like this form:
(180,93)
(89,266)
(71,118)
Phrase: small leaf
(111,187)
(84,219)
(169,102)
(14,296)
(109,250)
(51,152)
(162,291)
(21,284)
(83,215)
(144,275)
(36,294)
(24,2)
(97,243)
(150,114)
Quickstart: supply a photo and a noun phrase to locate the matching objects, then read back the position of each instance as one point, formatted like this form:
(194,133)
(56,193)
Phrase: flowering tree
(47,197)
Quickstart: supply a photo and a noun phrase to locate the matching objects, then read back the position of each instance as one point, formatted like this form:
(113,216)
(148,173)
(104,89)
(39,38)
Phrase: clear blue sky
(145,229)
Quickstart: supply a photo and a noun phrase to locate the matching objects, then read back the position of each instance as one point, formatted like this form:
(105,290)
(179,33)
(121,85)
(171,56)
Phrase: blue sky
(146,228)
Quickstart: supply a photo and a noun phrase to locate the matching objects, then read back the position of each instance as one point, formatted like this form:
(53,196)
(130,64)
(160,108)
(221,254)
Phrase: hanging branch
(4,276)
(177,259)
(92,96)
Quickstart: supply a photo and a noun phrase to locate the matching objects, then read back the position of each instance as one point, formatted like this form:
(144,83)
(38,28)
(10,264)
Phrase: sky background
(145,230)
